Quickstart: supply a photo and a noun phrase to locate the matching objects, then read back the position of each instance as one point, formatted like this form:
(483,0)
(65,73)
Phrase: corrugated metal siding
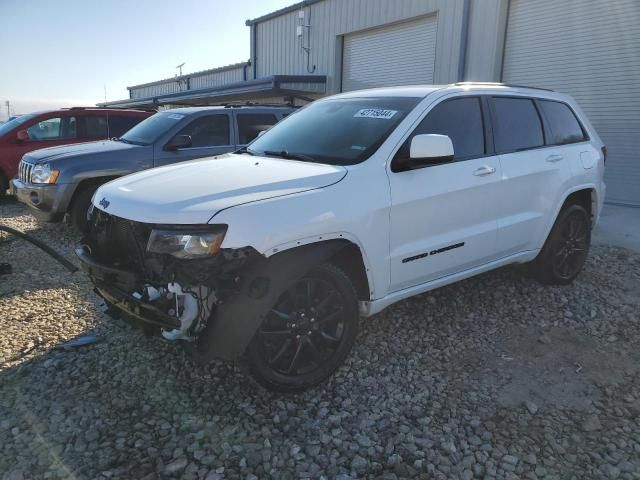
(196,81)
(278,48)
(487,23)
(400,54)
(589,49)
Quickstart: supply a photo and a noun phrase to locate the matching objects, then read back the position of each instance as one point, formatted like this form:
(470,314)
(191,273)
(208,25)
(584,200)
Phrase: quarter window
(208,131)
(461,120)
(53,129)
(250,125)
(562,122)
(517,125)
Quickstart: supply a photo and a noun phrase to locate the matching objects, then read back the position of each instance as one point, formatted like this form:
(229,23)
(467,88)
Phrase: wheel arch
(261,283)
(88,183)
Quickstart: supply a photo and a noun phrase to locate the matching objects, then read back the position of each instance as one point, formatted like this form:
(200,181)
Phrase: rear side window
(517,125)
(562,122)
(250,125)
(95,126)
(208,131)
(461,120)
(118,125)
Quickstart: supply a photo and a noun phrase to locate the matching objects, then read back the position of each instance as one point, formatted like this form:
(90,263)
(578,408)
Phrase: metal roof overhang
(273,86)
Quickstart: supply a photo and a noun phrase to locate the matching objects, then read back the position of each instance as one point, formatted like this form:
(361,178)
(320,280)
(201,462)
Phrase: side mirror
(425,150)
(178,142)
(22,136)
(262,132)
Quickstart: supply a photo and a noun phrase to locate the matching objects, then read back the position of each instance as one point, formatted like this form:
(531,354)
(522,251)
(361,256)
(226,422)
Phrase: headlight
(44,174)
(187,244)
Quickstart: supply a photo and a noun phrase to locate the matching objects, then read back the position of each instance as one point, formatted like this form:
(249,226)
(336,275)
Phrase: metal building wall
(197,80)
(277,49)
(485,43)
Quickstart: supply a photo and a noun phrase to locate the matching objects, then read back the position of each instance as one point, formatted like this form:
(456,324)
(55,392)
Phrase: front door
(444,217)
(210,136)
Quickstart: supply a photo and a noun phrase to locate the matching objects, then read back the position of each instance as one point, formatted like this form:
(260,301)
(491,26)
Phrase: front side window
(461,120)
(562,122)
(340,131)
(250,125)
(95,126)
(55,128)
(517,125)
(208,131)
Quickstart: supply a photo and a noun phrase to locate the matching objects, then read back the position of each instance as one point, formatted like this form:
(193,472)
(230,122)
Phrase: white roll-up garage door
(589,49)
(399,54)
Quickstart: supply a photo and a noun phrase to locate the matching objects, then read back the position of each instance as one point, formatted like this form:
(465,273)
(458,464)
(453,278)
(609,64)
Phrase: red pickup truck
(59,127)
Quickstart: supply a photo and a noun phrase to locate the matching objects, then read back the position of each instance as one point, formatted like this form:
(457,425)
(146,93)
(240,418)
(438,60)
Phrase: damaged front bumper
(115,286)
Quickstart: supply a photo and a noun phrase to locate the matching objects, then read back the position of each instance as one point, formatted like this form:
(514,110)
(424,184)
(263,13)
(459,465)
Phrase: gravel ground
(494,377)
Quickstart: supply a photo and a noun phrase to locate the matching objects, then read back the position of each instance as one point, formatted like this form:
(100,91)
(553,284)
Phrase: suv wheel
(308,333)
(80,207)
(565,251)
(4,185)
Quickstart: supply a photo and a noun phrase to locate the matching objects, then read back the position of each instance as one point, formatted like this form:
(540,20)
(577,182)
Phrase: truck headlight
(44,174)
(187,244)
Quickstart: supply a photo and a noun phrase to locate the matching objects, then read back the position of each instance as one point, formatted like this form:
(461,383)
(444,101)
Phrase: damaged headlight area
(186,244)
(169,276)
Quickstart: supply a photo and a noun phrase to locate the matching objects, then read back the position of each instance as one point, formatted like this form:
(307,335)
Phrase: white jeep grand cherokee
(348,205)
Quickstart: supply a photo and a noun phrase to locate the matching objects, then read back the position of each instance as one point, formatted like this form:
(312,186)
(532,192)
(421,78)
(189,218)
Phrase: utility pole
(180,68)
(8,104)
(105,93)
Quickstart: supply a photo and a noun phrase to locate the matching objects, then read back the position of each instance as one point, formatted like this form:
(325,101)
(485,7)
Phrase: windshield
(338,132)
(149,130)
(11,124)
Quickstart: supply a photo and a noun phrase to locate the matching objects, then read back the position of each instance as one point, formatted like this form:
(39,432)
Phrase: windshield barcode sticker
(375,113)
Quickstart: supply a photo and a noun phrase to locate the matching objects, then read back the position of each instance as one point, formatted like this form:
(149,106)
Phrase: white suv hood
(193,192)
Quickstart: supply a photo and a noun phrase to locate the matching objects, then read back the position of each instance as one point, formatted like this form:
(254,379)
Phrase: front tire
(80,207)
(566,249)
(307,334)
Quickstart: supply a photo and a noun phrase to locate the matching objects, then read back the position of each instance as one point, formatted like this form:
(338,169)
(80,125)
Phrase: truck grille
(24,171)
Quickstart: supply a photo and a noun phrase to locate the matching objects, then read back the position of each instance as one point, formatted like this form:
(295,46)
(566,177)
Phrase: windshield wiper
(289,156)
(245,150)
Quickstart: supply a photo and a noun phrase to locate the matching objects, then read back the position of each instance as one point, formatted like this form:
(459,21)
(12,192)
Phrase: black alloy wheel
(308,333)
(565,251)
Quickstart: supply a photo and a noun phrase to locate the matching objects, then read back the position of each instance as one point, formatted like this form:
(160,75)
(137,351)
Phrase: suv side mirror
(425,150)
(22,136)
(178,142)
(260,133)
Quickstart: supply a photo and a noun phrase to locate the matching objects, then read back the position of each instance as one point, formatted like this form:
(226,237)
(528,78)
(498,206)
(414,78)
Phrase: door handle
(554,158)
(484,170)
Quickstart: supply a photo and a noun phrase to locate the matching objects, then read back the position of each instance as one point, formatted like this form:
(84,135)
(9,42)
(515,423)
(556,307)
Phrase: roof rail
(256,104)
(500,84)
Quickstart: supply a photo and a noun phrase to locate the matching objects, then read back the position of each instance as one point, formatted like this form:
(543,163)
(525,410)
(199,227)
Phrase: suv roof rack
(500,84)
(249,103)
(144,109)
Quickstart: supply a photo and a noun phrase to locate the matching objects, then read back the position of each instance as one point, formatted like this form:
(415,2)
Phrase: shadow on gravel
(477,370)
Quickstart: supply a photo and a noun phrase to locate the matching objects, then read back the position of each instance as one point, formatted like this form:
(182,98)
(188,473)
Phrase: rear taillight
(604,154)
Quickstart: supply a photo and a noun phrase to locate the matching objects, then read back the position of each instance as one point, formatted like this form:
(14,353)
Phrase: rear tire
(566,249)
(308,333)
(4,185)
(80,207)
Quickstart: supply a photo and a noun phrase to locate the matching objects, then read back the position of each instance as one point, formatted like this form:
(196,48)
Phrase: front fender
(237,319)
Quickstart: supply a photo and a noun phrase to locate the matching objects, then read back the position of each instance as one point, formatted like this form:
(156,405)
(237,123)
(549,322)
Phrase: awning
(297,86)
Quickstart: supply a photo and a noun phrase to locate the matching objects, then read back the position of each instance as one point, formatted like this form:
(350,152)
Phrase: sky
(64,53)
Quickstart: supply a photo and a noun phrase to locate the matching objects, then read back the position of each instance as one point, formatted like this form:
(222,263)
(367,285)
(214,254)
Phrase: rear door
(444,217)
(210,135)
(534,173)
